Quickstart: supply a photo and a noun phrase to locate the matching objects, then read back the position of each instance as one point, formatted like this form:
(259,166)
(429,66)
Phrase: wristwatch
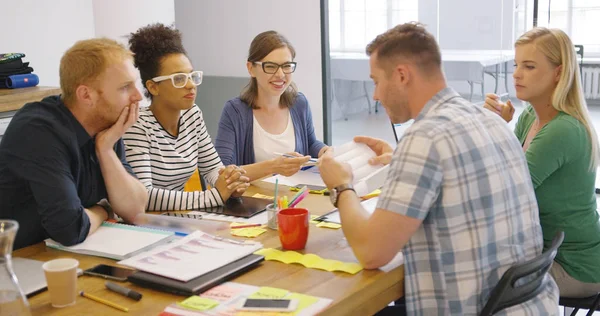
(109,212)
(335,192)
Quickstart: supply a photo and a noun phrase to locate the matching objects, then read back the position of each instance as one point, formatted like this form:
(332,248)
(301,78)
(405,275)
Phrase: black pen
(123,291)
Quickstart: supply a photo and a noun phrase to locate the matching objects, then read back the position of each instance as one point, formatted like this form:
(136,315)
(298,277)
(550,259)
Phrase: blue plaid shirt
(461,171)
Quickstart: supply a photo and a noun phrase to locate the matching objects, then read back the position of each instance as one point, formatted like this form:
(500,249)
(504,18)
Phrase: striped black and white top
(164,163)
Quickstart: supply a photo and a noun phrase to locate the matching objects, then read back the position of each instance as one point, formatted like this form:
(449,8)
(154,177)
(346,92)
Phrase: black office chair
(507,293)
(590,303)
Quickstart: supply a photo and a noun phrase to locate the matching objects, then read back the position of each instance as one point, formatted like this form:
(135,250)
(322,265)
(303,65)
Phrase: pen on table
(123,291)
(292,156)
(245,226)
(275,199)
(103,301)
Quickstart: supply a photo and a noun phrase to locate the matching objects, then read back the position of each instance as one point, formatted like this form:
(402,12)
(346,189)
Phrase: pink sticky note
(221,293)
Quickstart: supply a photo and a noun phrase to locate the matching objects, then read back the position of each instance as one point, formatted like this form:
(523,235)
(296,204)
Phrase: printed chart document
(192,256)
(366,177)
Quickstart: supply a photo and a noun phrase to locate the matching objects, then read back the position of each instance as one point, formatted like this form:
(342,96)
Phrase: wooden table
(14,99)
(361,294)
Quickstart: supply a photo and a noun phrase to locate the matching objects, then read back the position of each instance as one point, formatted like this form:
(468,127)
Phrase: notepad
(116,241)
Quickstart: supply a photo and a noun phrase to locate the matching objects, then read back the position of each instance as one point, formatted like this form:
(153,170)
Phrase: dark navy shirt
(49,173)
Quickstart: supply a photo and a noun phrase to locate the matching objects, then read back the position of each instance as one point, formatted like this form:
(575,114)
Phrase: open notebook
(117,241)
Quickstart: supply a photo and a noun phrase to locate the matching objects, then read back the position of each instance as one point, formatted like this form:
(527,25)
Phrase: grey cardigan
(234,141)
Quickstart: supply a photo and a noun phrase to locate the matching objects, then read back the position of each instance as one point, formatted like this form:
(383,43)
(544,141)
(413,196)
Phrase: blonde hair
(85,61)
(568,95)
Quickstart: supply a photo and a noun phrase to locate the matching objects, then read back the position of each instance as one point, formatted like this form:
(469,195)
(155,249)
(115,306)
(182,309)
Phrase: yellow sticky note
(312,219)
(266,292)
(304,301)
(309,260)
(199,303)
(329,225)
(249,232)
(262,196)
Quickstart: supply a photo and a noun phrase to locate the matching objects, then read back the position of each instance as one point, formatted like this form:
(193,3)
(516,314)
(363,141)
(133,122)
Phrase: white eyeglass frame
(188,76)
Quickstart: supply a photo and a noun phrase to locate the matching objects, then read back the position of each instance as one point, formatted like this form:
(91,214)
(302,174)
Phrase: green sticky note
(199,303)
(266,292)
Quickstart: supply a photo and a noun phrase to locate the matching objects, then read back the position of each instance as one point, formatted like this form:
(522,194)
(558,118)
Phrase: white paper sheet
(260,218)
(192,256)
(366,176)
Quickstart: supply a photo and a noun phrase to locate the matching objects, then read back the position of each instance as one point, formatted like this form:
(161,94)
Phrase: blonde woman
(561,147)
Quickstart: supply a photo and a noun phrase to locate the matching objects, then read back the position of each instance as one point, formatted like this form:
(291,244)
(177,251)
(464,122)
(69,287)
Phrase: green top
(559,159)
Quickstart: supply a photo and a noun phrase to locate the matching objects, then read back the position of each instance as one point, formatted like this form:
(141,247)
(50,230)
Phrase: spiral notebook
(117,241)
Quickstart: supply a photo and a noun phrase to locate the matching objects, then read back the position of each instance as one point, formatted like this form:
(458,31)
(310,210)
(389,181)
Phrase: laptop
(334,216)
(244,206)
(199,284)
(30,275)
(399,129)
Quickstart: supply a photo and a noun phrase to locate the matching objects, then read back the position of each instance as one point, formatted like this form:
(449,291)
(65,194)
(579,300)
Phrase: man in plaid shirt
(458,200)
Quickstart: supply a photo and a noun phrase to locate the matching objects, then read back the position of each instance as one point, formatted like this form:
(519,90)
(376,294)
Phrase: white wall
(217,35)
(117,18)
(44,30)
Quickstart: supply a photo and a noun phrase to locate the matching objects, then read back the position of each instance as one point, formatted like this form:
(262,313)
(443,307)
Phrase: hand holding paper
(382,149)
(333,172)
(357,168)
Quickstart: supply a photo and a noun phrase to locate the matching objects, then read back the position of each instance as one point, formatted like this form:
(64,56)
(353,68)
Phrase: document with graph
(192,256)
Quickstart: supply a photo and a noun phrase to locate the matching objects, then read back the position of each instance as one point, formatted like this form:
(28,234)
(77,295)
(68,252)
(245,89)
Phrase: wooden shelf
(14,99)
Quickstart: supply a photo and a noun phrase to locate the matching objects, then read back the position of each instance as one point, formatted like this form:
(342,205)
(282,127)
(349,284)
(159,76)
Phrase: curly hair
(149,45)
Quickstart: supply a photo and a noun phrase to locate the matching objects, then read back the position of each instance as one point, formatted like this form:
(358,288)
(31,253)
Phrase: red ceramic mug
(293,228)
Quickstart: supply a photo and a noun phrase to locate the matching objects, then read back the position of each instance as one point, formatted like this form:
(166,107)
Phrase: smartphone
(110,272)
(314,189)
(269,305)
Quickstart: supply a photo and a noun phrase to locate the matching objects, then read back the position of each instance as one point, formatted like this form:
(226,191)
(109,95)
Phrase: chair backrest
(195,183)
(532,276)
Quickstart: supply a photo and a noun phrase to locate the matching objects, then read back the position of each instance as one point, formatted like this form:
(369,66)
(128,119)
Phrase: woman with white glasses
(169,140)
(270,116)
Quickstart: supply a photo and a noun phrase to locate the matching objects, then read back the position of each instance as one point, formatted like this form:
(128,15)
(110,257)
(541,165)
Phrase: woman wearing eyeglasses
(169,140)
(270,116)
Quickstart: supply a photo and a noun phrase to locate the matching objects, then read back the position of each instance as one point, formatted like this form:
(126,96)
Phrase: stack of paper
(366,176)
(117,241)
